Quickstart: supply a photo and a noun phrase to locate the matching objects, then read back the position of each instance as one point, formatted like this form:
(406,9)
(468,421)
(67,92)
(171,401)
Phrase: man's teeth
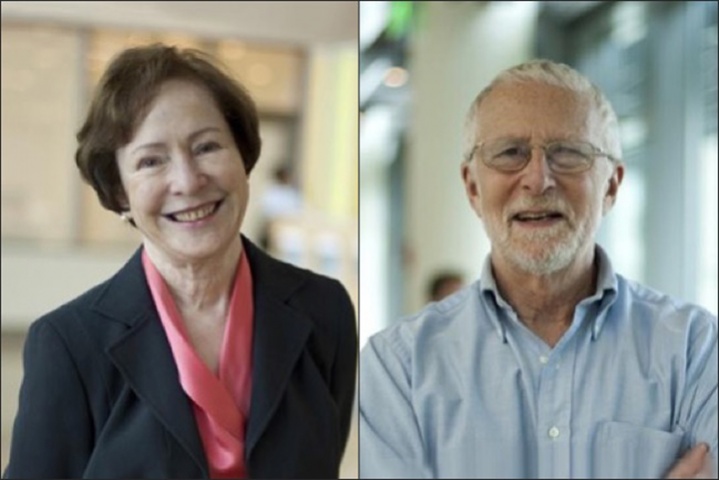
(194,215)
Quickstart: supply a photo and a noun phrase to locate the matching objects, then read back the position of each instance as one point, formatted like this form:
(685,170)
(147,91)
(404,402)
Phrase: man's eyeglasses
(564,156)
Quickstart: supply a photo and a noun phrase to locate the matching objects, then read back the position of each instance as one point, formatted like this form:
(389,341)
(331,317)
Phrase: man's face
(539,221)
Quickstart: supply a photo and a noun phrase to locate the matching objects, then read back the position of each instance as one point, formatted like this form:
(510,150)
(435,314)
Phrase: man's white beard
(546,250)
(549,250)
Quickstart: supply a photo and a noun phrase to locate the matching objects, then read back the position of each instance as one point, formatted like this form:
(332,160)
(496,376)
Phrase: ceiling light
(395,77)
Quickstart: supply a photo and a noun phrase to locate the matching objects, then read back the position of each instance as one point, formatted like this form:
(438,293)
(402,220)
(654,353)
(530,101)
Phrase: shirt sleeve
(698,403)
(52,434)
(391,443)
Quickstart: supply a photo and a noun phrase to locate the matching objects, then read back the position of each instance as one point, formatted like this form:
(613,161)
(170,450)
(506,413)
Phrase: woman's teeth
(194,215)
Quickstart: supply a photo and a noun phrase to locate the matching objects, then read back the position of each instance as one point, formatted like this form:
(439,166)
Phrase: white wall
(376,151)
(458,49)
(285,22)
(36,280)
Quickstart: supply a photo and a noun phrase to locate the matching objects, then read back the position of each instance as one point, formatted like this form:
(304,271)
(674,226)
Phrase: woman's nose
(186,175)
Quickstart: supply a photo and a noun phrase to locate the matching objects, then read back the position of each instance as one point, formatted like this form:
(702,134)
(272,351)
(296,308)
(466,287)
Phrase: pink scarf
(221,405)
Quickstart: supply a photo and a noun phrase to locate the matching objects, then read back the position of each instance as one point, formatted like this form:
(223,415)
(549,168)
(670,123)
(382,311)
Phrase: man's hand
(696,463)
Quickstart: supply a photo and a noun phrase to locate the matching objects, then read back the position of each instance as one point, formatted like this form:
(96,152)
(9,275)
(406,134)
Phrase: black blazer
(101,396)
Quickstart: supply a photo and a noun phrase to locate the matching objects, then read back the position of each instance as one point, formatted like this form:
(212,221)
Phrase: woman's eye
(148,162)
(206,148)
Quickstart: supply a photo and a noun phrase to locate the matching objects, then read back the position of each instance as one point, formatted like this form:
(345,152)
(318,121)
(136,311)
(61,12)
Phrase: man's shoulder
(436,325)
(649,308)
(661,305)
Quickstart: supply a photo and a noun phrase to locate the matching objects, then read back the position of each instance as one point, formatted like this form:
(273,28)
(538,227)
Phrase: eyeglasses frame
(597,152)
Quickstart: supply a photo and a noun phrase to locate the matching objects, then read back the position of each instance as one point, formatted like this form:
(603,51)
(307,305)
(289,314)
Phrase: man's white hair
(550,73)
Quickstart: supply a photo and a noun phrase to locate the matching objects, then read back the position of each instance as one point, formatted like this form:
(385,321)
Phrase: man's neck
(546,303)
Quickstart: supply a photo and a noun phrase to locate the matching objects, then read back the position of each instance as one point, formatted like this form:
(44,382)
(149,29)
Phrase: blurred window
(657,63)
(708,276)
(48,76)
(39,101)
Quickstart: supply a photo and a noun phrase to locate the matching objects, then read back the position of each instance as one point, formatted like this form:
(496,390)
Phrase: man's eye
(206,148)
(511,152)
(568,152)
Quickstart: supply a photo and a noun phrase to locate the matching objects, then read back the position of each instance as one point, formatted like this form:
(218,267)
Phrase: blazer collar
(127,298)
(144,357)
(280,335)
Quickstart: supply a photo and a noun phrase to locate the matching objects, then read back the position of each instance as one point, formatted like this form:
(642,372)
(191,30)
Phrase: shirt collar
(604,296)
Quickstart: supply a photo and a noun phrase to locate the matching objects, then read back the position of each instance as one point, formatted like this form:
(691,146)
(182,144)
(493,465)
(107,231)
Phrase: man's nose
(537,176)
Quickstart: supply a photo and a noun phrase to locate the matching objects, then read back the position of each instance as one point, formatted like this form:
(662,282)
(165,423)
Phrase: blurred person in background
(281,199)
(550,365)
(444,283)
(202,356)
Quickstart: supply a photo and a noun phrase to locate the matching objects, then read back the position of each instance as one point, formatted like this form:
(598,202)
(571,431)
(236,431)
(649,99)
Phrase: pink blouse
(221,403)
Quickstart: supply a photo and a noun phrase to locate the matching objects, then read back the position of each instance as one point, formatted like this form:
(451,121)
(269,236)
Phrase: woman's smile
(196,216)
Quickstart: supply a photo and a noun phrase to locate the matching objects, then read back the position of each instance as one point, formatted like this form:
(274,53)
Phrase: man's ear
(468,171)
(615,180)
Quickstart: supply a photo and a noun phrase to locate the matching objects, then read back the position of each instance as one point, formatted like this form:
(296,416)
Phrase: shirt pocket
(623,450)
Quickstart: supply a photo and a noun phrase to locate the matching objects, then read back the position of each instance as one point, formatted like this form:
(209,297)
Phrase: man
(551,364)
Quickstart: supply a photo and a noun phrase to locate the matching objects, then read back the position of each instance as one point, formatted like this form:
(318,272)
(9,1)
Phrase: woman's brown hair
(124,95)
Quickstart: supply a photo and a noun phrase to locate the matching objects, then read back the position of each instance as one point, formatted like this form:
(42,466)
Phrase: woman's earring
(125,217)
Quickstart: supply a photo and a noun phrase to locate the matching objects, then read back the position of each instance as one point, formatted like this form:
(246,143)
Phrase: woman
(202,356)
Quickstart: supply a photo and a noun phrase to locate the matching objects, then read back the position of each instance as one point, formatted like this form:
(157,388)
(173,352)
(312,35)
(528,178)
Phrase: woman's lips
(195,214)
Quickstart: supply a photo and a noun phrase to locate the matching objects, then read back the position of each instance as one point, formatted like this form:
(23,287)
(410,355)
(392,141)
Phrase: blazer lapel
(143,356)
(280,334)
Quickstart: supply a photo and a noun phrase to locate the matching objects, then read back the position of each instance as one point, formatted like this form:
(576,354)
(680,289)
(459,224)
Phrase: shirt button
(543,359)
(553,432)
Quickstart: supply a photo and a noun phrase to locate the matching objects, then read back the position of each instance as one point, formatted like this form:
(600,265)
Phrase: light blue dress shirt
(464,389)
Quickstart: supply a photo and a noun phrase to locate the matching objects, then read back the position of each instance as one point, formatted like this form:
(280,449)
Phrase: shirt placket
(554,408)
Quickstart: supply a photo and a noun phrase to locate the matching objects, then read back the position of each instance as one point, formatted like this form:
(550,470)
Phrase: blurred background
(421,65)
(299,61)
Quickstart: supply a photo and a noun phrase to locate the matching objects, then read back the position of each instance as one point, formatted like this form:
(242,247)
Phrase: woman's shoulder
(318,296)
(74,316)
(102,309)
(270,271)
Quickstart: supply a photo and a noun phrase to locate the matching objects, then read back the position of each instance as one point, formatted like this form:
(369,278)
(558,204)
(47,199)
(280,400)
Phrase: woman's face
(185,182)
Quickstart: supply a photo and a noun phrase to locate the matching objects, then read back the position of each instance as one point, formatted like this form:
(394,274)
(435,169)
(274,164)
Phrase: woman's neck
(199,285)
